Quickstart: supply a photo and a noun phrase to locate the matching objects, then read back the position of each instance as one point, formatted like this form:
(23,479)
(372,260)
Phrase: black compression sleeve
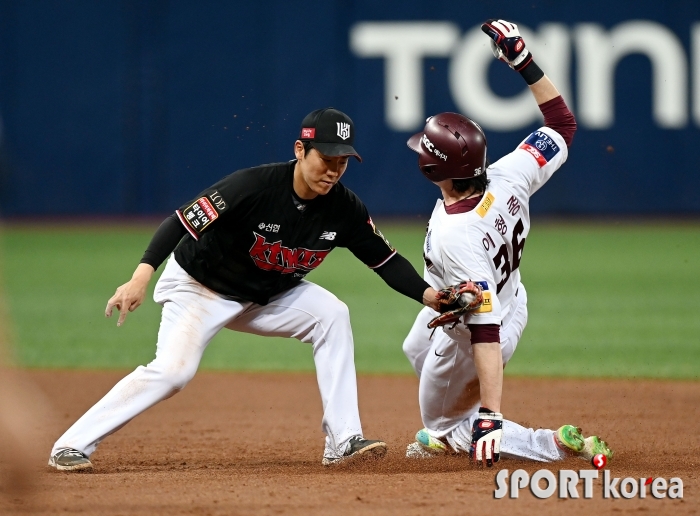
(164,241)
(400,275)
(531,72)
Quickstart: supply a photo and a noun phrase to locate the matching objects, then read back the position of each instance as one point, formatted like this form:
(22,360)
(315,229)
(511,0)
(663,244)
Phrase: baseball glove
(455,301)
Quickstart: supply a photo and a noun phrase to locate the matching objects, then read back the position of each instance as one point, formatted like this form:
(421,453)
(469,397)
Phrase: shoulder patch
(202,212)
(541,146)
(485,204)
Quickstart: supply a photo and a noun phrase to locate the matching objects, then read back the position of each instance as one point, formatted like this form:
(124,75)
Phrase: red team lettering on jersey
(275,257)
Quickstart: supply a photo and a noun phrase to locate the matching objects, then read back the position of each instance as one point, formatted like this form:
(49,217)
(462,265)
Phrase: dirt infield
(251,444)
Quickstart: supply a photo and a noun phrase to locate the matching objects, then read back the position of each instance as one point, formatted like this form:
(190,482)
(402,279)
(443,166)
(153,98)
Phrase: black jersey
(252,239)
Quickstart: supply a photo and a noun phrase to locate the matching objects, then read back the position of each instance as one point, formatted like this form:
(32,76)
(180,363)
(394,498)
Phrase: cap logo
(308,132)
(343,130)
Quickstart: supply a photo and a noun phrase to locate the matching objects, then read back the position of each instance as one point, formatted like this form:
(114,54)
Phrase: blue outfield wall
(131,107)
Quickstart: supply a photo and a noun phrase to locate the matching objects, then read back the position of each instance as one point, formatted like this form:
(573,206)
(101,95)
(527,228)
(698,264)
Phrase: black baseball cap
(331,132)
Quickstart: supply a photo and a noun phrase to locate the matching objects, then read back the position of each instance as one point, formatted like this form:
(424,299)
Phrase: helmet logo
(431,148)
(477,171)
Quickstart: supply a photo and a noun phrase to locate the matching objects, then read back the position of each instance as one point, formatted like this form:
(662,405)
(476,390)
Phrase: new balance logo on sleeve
(327,235)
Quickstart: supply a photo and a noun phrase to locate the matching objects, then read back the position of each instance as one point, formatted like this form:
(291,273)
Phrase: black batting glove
(507,44)
(487,431)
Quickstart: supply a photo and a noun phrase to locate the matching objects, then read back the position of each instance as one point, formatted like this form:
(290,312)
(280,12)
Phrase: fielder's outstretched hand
(131,294)
(487,431)
(455,301)
(507,44)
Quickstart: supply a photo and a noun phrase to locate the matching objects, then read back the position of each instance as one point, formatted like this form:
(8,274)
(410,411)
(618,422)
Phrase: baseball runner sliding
(240,252)
(477,232)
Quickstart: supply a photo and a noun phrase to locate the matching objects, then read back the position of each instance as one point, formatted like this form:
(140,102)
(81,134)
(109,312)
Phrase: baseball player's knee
(416,357)
(415,345)
(331,323)
(176,374)
(336,312)
(180,378)
(411,348)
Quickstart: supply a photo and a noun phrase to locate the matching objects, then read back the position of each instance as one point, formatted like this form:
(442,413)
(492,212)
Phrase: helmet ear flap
(426,166)
(428,170)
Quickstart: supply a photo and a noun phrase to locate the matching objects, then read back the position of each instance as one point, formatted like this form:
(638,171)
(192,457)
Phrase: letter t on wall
(403,45)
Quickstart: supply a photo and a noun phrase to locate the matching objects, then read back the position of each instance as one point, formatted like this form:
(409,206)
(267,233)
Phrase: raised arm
(508,46)
(544,90)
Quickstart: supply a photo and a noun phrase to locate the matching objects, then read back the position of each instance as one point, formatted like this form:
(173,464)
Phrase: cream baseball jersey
(486,244)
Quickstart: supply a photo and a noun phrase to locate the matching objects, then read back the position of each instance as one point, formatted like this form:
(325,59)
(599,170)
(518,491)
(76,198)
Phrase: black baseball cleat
(358,447)
(70,460)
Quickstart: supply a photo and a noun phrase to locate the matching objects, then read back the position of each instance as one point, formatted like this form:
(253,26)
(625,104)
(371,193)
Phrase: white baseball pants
(448,391)
(192,315)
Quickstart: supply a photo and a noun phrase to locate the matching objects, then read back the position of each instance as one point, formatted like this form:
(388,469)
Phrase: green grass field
(604,300)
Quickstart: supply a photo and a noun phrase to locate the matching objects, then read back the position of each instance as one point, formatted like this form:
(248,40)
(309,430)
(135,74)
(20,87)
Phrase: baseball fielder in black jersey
(240,252)
(264,238)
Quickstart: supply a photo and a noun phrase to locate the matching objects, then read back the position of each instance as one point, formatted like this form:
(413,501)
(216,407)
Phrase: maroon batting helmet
(451,146)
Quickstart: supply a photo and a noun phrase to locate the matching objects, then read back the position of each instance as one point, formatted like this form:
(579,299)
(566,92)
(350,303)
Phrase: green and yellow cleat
(430,443)
(594,446)
(570,439)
